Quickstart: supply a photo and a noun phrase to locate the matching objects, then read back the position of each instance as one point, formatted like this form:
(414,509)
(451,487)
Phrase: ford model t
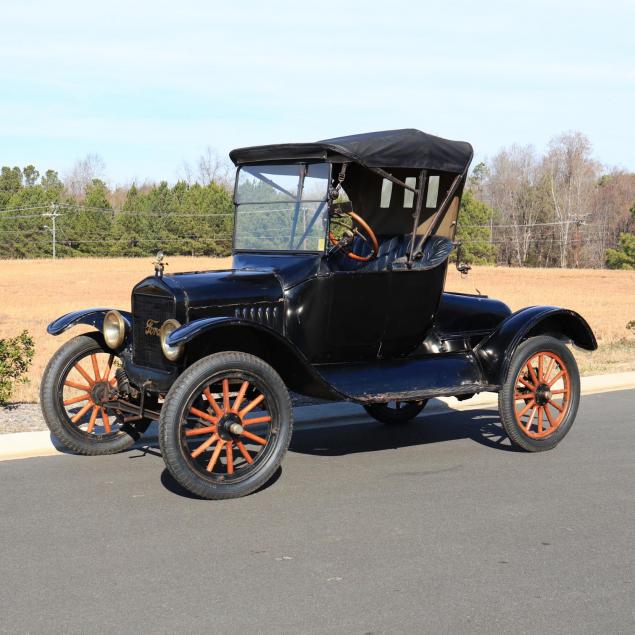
(340,254)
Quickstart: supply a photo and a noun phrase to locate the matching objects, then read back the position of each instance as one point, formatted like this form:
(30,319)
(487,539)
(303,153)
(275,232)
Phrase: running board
(443,375)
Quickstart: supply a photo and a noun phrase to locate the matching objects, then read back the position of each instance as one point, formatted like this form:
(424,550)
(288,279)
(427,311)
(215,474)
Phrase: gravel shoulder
(21,417)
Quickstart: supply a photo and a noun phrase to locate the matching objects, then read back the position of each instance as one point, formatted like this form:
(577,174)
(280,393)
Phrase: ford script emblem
(152,328)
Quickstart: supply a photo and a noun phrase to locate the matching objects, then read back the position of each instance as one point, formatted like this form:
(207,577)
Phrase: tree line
(560,208)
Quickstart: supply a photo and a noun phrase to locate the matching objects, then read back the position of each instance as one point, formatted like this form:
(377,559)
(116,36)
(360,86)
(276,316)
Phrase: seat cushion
(390,248)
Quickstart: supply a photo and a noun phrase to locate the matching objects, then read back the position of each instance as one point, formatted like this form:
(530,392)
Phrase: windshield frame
(325,212)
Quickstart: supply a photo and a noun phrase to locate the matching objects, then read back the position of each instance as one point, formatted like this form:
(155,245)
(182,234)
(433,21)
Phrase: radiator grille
(149,312)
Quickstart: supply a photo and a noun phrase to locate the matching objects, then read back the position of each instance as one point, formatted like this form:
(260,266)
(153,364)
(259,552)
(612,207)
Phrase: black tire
(188,410)
(537,362)
(108,434)
(402,412)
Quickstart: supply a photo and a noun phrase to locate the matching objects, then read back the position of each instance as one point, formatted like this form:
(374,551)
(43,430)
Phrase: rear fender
(92,317)
(497,349)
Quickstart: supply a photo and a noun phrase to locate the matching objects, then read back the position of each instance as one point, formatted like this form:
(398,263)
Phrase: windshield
(281,207)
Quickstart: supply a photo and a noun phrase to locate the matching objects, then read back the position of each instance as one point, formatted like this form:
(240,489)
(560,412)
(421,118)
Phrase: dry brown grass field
(34,292)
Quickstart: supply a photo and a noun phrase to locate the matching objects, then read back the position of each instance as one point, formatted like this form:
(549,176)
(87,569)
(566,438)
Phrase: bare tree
(510,190)
(82,173)
(213,169)
(209,168)
(611,215)
(572,177)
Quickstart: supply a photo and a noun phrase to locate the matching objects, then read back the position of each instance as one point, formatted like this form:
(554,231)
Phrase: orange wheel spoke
(72,384)
(548,413)
(540,358)
(230,457)
(556,378)
(226,406)
(203,415)
(201,448)
(195,431)
(526,384)
(82,412)
(254,437)
(93,417)
(556,406)
(251,405)
(111,359)
(104,416)
(85,397)
(531,418)
(251,422)
(215,455)
(240,396)
(244,452)
(93,357)
(540,409)
(526,408)
(84,374)
(549,369)
(527,395)
(212,402)
(532,373)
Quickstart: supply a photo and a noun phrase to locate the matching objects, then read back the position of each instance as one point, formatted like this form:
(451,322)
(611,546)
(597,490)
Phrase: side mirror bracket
(462,267)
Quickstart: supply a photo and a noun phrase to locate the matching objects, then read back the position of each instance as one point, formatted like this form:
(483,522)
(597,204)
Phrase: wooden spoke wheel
(225,425)
(76,395)
(395,412)
(540,398)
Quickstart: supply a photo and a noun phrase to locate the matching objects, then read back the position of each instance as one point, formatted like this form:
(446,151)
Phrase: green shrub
(16,354)
(624,256)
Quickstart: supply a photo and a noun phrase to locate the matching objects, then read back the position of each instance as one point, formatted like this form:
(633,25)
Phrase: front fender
(285,357)
(92,317)
(191,330)
(496,350)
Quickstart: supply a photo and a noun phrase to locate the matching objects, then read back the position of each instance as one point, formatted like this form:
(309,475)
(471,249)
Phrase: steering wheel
(359,228)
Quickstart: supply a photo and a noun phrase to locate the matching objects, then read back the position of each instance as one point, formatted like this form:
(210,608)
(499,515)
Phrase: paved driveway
(433,527)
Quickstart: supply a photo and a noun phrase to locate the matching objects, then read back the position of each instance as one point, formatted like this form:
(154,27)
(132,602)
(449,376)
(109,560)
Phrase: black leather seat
(390,248)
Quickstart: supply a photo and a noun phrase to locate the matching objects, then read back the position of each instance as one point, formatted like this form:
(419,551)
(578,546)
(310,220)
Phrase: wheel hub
(230,426)
(100,392)
(543,394)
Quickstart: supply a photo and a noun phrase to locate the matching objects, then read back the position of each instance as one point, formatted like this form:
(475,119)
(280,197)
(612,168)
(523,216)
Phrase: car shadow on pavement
(482,426)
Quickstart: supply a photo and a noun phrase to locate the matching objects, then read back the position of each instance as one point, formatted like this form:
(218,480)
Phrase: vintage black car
(340,254)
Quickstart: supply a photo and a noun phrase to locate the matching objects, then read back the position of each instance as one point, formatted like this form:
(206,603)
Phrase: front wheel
(225,425)
(76,395)
(539,400)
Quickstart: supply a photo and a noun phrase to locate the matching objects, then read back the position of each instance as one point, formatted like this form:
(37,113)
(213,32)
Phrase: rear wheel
(225,425)
(77,387)
(395,412)
(540,397)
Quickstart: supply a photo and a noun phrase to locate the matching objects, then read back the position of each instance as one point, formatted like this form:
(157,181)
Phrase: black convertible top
(406,148)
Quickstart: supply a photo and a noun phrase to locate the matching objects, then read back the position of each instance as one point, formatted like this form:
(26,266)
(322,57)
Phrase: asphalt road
(435,527)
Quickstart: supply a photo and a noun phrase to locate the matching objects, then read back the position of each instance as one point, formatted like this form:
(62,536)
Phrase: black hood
(201,294)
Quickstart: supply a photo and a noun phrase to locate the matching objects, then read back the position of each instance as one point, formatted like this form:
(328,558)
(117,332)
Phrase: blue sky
(148,85)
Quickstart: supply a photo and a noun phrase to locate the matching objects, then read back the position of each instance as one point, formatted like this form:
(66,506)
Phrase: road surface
(433,527)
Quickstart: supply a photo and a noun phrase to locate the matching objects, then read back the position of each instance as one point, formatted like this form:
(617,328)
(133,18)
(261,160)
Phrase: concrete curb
(22,445)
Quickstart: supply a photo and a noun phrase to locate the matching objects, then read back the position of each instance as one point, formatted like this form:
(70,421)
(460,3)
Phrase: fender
(92,317)
(290,363)
(496,350)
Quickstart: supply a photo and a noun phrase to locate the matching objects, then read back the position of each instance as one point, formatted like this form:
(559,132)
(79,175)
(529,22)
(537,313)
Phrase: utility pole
(53,215)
